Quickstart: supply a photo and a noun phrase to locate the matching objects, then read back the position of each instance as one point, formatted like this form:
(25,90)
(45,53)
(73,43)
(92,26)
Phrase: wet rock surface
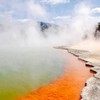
(92,89)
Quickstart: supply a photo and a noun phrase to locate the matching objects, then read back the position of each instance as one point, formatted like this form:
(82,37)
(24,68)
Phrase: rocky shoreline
(92,89)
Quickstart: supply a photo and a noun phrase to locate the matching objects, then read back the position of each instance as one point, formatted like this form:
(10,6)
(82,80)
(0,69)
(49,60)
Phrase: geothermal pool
(23,70)
(66,87)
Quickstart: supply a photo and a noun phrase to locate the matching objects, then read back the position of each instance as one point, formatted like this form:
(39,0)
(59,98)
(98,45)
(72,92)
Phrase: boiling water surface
(23,70)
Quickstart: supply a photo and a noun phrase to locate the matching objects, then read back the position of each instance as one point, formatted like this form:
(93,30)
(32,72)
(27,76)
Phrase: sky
(49,10)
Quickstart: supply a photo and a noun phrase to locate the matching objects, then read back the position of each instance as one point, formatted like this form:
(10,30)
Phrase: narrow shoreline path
(66,87)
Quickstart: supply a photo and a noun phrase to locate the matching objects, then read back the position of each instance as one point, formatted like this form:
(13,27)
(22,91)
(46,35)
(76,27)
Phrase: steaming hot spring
(31,69)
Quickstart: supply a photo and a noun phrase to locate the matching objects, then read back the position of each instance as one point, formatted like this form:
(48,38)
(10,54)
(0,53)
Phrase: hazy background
(16,30)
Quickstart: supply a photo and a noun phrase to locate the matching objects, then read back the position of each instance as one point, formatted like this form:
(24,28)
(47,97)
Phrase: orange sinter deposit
(66,87)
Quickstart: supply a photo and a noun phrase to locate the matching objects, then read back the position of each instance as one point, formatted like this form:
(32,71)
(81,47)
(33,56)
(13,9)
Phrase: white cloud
(96,10)
(24,9)
(36,9)
(61,17)
(53,2)
(62,20)
(85,10)
(82,9)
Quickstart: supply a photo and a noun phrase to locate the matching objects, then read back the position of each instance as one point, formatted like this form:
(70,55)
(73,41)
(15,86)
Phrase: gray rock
(92,90)
(95,69)
(97,75)
(78,52)
(92,64)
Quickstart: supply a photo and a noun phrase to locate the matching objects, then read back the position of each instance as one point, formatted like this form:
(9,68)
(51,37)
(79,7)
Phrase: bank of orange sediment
(66,87)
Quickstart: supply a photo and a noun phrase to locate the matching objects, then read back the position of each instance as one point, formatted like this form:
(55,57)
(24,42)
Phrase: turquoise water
(23,70)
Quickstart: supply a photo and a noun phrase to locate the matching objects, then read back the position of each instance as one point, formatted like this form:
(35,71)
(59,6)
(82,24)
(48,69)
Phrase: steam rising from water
(28,32)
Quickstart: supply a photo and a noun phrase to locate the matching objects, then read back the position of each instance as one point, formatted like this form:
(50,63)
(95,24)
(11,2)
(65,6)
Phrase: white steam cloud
(54,2)
(28,32)
(36,9)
